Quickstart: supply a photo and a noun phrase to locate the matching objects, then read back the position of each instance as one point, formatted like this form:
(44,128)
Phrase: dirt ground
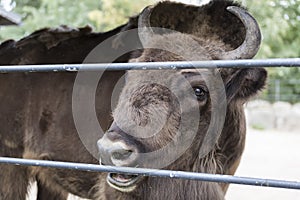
(272,155)
(268,154)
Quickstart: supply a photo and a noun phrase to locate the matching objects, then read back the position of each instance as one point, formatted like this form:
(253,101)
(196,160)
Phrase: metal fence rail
(155,173)
(248,63)
(279,62)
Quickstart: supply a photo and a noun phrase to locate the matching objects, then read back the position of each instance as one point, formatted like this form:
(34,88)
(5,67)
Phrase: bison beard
(37,123)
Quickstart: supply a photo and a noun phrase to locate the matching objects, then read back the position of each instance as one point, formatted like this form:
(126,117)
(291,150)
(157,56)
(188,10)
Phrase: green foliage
(102,14)
(280,25)
(113,13)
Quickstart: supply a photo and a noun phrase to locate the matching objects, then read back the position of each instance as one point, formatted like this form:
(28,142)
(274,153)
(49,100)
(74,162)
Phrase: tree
(280,25)
(112,13)
(101,15)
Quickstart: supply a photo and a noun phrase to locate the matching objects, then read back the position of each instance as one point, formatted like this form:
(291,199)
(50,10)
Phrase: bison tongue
(122,177)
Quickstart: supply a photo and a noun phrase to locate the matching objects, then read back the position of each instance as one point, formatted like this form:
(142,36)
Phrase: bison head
(188,119)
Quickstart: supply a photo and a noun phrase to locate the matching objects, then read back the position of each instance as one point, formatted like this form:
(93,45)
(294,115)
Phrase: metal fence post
(277,90)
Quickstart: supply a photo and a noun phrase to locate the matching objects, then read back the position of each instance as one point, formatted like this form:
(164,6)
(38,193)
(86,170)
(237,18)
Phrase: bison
(190,120)
(158,107)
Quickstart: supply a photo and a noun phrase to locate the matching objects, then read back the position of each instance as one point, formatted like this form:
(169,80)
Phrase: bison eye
(200,93)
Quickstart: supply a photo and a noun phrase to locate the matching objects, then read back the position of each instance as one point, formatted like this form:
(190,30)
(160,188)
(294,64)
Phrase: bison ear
(241,84)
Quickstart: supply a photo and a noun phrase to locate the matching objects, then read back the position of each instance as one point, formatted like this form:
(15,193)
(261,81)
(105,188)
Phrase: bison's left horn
(144,28)
(250,46)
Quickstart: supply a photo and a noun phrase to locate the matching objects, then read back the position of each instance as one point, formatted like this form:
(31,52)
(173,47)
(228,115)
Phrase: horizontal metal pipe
(155,173)
(276,62)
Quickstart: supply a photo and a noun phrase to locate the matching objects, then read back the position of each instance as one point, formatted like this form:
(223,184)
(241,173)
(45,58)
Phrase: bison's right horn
(144,28)
(250,46)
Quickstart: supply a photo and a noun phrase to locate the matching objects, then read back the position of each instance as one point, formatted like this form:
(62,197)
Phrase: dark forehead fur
(180,46)
(211,21)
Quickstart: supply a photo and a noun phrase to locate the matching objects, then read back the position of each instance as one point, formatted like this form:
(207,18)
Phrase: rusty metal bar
(155,173)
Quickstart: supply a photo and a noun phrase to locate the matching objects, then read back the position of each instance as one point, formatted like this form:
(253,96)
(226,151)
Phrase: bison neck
(164,188)
(223,159)
(232,140)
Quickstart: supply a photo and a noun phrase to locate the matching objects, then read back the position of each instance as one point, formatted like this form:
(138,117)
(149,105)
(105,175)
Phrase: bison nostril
(114,151)
(121,154)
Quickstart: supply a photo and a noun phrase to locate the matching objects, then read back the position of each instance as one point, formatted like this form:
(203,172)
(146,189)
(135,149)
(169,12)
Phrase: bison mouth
(123,182)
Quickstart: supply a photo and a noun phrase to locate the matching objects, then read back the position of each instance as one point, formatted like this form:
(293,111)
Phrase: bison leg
(13,182)
(44,193)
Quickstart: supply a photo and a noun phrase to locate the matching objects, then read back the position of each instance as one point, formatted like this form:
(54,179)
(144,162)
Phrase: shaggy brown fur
(36,108)
(144,103)
(40,127)
(26,107)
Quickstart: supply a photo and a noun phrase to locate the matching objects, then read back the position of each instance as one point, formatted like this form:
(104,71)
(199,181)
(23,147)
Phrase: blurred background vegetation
(280,25)
(102,15)
(279,21)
